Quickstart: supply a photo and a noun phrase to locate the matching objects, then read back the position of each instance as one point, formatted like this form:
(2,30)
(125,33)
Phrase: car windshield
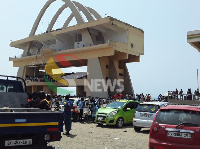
(147,108)
(115,105)
(179,117)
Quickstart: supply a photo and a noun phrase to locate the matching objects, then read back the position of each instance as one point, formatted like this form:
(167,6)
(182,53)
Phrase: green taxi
(117,113)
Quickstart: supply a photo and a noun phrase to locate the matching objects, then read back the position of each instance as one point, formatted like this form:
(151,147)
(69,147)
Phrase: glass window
(115,105)
(132,105)
(175,117)
(78,38)
(2,87)
(147,108)
(6,87)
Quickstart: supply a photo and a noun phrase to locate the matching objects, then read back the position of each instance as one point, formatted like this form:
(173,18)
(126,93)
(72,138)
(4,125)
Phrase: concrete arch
(96,14)
(37,21)
(92,11)
(84,10)
(68,20)
(75,11)
(53,21)
(71,5)
(80,7)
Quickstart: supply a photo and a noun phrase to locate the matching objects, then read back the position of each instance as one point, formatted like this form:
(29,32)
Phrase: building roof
(48,36)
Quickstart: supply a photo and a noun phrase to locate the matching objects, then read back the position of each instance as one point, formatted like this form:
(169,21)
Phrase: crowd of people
(40,78)
(180,95)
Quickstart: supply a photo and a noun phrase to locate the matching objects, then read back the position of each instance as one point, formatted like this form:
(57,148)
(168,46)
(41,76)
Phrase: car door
(129,111)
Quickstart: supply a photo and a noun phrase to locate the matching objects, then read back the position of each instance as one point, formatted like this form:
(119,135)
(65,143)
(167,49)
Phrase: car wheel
(137,129)
(120,122)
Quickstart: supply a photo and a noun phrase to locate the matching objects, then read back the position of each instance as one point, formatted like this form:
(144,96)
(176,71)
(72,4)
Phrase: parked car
(177,127)
(145,113)
(116,113)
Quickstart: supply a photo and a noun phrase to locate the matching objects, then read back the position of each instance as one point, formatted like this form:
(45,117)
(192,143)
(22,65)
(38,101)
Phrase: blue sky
(169,62)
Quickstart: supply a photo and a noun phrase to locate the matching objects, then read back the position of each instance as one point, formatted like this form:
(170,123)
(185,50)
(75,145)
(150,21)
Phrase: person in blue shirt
(80,106)
(67,115)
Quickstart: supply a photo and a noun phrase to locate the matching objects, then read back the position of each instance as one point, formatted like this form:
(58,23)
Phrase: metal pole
(197,80)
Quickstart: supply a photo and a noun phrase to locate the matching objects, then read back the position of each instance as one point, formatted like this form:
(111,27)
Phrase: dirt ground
(91,136)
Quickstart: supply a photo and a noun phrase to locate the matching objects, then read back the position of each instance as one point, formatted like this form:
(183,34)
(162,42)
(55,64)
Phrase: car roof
(182,107)
(121,100)
(124,100)
(74,99)
(155,103)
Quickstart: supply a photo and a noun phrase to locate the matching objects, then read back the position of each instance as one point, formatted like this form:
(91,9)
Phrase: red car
(176,127)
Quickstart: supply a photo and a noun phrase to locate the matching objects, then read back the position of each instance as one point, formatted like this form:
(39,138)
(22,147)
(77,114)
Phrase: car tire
(137,129)
(120,122)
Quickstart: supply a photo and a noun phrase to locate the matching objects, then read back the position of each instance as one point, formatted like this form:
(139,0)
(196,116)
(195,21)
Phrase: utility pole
(197,80)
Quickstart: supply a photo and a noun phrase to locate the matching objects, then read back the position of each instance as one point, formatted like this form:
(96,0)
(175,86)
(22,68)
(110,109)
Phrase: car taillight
(54,137)
(155,127)
(51,137)
(47,137)
(134,114)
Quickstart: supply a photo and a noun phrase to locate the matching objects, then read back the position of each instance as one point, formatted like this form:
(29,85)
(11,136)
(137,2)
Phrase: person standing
(121,96)
(94,111)
(80,105)
(116,97)
(67,115)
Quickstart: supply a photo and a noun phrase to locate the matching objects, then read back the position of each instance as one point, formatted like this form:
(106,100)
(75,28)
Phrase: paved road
(91,136)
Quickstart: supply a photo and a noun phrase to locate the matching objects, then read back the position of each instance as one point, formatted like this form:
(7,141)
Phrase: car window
(175,117)
(147,108)
(115,105)
(132,105)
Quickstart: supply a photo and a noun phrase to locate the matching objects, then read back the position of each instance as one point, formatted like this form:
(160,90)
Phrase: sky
(169,62)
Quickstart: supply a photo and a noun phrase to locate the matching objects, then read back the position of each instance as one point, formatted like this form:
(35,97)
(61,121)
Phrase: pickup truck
(25,128)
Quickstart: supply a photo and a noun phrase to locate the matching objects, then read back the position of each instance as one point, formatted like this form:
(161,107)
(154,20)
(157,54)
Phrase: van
(145,113)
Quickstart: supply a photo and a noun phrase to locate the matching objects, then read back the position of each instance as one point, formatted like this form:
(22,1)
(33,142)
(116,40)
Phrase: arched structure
(75,8)
(68,20)
(104,45)
(92,11)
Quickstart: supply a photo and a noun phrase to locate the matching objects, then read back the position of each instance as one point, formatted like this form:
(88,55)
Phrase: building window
(78,38)
(121,74)
(107,66)
(132,45)
(106,78)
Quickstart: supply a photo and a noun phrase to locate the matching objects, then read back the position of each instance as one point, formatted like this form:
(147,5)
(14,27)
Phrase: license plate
(18,142)
(146,115)
(178,134)
(100,118)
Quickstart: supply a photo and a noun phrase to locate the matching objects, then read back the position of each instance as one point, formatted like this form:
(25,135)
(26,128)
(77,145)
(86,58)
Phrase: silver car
(145,113)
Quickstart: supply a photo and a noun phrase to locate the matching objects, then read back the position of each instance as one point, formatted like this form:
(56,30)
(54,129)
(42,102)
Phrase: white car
(145,113)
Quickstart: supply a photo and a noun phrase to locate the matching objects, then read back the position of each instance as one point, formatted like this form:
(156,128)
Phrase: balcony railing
(69,47)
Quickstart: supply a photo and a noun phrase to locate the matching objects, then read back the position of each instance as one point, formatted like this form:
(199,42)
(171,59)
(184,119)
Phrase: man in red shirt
(121,96)
(116,97)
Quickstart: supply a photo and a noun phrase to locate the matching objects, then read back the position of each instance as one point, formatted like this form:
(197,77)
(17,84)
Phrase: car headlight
(111,114)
